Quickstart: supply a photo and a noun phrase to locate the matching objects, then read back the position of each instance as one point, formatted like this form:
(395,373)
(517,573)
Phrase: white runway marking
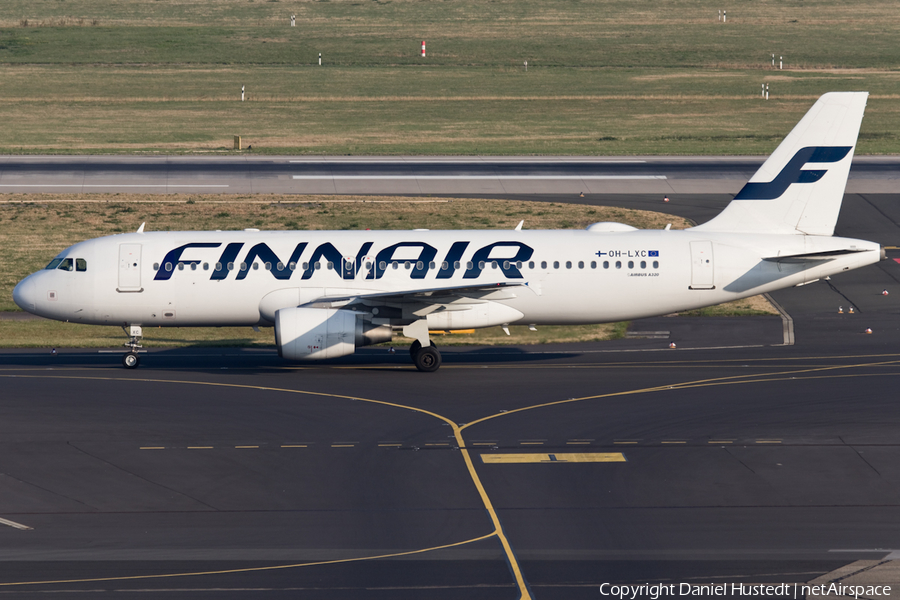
(111,185)
(14,524)
(453,162)
(481,177)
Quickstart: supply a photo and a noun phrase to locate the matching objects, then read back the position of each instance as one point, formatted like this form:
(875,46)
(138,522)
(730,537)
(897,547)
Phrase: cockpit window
(80,264)
(65,265)
(53,264)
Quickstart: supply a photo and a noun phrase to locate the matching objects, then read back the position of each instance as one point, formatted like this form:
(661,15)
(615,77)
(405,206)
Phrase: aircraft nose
(24,294)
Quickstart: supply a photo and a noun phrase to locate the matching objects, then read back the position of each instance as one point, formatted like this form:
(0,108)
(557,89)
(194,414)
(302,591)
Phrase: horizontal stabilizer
(810,256)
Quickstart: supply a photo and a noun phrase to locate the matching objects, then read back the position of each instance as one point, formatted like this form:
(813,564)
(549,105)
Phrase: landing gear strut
(131,360)
(426,357)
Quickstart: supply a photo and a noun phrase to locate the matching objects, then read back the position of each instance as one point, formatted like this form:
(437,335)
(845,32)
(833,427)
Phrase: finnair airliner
(328,292)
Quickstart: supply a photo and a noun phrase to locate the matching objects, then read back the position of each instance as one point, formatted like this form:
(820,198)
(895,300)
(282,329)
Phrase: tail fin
(783,197)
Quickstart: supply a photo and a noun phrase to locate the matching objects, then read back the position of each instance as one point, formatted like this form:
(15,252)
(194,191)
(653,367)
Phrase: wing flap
(425,296)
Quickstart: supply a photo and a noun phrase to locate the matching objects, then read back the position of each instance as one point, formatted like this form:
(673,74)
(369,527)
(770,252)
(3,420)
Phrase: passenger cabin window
(605,264)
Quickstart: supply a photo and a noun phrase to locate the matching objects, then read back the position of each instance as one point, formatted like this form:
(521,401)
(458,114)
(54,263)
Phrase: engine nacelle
(317,333)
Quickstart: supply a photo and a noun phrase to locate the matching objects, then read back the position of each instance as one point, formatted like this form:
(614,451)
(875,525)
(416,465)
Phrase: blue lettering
(174,256)
(453,255)
(793,172)
(329,252)
(426,255)
(228,256)
(279,269)
(483,255)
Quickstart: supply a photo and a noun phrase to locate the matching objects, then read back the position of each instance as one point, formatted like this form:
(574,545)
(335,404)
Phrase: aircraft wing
(424,297)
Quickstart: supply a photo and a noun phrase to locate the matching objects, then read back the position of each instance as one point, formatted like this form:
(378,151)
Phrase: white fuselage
(565,277)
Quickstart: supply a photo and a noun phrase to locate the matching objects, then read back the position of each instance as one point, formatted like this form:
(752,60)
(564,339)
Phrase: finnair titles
(329,292)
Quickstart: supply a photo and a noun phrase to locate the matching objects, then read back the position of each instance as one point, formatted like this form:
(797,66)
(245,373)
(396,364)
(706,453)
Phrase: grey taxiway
(739,456)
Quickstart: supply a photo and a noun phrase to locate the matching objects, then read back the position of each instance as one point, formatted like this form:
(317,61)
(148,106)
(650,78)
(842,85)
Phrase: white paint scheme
(752,247)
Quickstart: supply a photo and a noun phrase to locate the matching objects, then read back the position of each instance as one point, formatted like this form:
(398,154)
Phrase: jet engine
(317,333)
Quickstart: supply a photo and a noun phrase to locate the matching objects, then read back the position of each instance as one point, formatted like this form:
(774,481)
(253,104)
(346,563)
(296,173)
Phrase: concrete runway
(231,474)
(248,174)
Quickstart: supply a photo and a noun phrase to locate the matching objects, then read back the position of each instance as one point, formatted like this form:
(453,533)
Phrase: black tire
(131,360)
(415,346)
(427,359)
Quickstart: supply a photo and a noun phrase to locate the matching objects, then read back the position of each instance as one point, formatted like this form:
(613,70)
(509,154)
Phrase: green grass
(55,334)
(605,77)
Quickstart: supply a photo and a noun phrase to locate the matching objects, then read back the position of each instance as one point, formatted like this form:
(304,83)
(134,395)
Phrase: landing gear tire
(416,346)
(131,360)
(427,359)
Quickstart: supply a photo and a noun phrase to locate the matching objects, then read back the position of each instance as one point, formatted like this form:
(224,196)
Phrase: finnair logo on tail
(793,172)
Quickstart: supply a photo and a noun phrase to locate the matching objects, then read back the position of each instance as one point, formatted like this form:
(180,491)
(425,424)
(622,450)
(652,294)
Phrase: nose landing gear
(131,360)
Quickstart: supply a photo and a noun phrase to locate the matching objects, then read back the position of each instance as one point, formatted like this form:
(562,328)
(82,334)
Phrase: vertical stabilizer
(800,187)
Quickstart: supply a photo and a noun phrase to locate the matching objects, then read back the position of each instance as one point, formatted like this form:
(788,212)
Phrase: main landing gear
(424,353)
(426,358)
(131,360)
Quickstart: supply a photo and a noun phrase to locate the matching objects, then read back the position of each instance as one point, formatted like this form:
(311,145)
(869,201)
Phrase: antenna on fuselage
(519,226)
(141,228)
